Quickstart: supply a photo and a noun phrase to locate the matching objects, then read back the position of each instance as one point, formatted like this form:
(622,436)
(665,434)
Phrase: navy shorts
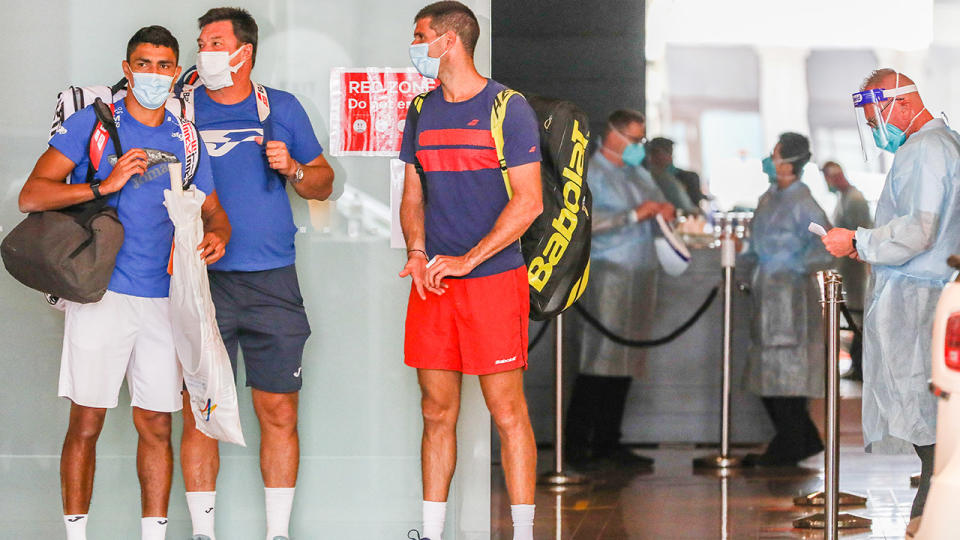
(262,313)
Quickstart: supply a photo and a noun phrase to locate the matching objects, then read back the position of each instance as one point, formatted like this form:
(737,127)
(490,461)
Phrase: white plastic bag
(203,357)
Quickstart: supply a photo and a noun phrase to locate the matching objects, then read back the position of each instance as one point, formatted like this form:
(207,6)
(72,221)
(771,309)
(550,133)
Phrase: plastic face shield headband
(872,108)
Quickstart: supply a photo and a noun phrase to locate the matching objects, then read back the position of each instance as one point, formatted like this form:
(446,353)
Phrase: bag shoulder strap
(418,105)
(105,129)
(497,116)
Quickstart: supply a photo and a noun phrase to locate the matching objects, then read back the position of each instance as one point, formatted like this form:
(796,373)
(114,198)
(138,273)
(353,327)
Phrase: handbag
(70,253)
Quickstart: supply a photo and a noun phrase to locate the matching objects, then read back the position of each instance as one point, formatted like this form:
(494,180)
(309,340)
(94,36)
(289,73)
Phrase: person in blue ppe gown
(621,293)
(917,226)
(785,363)
(852,212)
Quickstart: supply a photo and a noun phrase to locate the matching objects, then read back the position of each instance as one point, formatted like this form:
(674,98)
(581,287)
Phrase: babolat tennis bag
(70,253)
(556,247)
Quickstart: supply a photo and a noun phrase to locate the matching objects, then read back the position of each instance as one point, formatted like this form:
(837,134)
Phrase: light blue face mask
(895,137)
(769,169)
(427,65)
(634,154)
(151,89)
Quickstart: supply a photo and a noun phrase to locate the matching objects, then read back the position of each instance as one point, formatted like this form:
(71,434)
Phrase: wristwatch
(297,176)
(95,188)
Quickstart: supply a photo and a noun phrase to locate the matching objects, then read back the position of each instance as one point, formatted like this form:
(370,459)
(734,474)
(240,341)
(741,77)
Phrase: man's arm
(216,229)
(411,222)
(46,187)
(317,181)
(516,217)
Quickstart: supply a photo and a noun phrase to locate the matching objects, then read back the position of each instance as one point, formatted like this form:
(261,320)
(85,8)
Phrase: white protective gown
(786,351)
(623,271)
(917,228)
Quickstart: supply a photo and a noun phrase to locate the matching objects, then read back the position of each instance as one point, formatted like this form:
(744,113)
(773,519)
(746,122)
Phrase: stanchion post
(559,479)
(728,260)
(830,520)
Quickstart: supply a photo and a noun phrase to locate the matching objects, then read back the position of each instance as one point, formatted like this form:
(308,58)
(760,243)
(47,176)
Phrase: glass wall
(360,425)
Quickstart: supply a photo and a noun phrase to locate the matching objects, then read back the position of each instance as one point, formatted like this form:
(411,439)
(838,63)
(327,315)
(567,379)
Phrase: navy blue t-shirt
(256,200)
(465,188)
(141,268)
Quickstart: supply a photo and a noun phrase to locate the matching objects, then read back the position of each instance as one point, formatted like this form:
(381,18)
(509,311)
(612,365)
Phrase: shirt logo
(221,141)
(62,130)
(532,150)
(473,122)
(297,373)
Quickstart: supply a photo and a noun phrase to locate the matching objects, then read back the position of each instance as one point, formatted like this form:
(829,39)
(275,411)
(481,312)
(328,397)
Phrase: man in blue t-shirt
(128,332)
(469,301)
(254,287)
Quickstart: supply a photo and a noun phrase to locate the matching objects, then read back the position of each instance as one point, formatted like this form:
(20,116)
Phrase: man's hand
(212,247)
(278,157)
(668,211)
(839,241)
(133,162)
(647,210)
(445,265)
(416,267)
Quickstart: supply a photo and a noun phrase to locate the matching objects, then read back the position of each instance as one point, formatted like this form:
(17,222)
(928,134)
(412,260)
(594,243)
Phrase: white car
(940,517)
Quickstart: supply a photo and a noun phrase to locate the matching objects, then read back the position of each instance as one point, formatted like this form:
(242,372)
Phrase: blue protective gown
(917,228)
(786,354)
(623,270)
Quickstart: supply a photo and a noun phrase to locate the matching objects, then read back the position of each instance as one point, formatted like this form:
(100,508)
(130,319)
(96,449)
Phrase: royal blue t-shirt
(465,188)
(253,195)
(141,267)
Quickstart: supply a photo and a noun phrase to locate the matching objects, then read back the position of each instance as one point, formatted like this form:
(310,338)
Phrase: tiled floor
(672,502)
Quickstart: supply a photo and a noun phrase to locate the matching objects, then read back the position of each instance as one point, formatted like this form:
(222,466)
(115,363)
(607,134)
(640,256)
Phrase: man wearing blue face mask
(260,141)
(128,332)
(917,226)
(785,357)
(622,293)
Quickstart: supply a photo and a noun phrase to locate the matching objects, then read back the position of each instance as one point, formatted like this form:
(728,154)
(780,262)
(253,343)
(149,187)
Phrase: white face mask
(215,70)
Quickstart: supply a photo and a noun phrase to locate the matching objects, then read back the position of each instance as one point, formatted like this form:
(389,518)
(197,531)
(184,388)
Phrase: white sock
(153,528)
(434,515)
(522,521)
(76,526)
(202,511)
(279,505)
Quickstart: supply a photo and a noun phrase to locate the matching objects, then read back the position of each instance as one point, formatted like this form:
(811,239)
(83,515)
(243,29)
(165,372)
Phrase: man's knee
(277,412)
(509,412)
(85,423)
(152,426)
(439,414)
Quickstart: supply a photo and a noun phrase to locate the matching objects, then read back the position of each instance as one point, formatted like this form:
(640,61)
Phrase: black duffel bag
(68,253)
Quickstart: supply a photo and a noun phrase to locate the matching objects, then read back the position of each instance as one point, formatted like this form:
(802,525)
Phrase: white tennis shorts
(119,336)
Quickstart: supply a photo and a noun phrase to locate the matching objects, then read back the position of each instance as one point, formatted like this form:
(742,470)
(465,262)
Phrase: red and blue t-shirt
(465,191)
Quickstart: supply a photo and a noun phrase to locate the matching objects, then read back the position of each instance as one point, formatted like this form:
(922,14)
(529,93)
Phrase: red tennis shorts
(477,327)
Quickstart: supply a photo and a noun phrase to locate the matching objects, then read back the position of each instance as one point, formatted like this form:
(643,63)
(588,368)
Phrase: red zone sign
(368,109)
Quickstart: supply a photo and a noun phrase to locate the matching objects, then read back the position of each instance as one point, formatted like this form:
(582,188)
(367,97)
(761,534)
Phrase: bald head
(885,78)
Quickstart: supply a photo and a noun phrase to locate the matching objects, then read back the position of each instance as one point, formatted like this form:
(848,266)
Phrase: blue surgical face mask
(672,169)
(427,65)
(769,169)
(151,89)
(634,154)
(895,136)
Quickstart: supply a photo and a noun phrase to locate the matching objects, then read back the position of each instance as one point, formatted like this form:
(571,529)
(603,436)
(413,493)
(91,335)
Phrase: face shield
(872,109)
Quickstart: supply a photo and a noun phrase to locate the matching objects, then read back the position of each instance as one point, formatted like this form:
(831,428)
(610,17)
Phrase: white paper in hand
(817,229)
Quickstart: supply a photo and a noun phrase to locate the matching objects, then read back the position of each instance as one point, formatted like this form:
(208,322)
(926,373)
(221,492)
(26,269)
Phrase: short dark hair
(244,25)
(620,119)
(154,35)
(661,144)
(449,15)
(794,145)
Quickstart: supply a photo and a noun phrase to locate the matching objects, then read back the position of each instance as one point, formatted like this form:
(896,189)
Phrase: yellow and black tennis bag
(556,247)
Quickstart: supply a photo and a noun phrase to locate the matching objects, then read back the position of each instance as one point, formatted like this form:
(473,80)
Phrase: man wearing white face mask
(255,288)
(917,226)
(128,332)
(468,309)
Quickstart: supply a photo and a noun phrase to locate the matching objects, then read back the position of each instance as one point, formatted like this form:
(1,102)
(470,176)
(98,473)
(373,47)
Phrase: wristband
(425,256)
(855,243)
(95,188)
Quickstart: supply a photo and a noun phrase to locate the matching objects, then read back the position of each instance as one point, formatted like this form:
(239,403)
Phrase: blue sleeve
(203,178)
(73,140)
(521,134)
(408,149)
(303,144)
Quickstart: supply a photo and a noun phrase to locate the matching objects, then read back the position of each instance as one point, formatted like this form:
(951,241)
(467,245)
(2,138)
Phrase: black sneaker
(411,532)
